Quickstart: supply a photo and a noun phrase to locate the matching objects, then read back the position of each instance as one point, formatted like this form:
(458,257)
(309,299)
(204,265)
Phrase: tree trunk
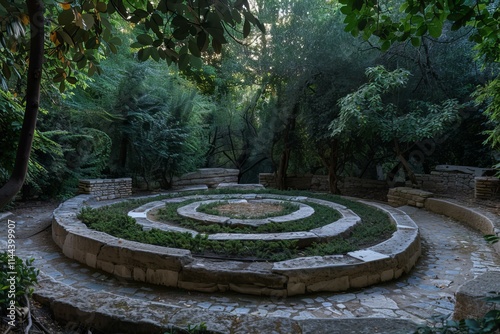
(333,166)
(285,154)
(405,164)
(18,176)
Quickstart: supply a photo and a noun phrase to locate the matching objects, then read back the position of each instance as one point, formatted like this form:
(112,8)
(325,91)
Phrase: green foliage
(366,111)
(321,217)
(25,277)
(418,19)
(80,32)
(374,111)
(44,150)
(489,96)
(110,221)
(158,131)
(492,238)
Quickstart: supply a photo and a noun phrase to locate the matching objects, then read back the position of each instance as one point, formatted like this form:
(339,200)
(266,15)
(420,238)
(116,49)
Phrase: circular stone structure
(341,227)
(191,211)
(179,268)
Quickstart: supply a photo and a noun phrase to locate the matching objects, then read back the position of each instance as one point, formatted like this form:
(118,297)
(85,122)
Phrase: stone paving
(452,255)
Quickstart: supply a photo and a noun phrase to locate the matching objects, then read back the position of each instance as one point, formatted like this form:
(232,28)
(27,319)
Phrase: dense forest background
(304,97)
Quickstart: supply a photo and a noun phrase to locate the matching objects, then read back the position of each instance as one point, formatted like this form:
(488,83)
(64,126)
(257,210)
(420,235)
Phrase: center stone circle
(335,228)
(191,211)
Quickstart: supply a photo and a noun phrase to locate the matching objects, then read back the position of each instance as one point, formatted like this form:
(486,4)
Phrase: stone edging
(341,227)
(481,221)
(178,268)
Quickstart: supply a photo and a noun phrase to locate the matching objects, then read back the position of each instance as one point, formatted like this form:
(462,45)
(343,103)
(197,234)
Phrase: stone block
(225,272)
(139,274)
(336,284)
(162,277)
(91,260)
(298,288)
(106,266)
(359,282)
(387,275)
(198,286)
(122,271)
(470,297)
(135,254)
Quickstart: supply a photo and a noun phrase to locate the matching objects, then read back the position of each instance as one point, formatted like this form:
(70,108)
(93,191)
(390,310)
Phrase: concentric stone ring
(305,238)
(175,267)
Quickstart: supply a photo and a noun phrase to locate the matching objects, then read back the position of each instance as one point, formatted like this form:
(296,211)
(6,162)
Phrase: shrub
(22,281)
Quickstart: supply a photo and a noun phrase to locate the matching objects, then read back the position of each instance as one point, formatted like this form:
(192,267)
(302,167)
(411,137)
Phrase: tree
(420,20)
(176,31)
(371,111)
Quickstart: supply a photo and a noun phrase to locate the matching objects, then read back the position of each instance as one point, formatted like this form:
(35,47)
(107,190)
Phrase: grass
(322,216)
(113,220)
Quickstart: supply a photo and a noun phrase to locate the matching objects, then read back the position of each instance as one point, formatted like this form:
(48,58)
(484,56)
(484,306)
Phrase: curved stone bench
(178,268)
(483,222)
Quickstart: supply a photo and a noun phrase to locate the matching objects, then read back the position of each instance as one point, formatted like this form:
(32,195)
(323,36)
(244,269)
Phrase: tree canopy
(177,31)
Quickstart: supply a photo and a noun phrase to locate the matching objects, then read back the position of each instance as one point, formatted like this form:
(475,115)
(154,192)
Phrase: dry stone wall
(441,183)
(400,196)
(349,186)
(106,188)
(211,177)
(487,188)
(445,183)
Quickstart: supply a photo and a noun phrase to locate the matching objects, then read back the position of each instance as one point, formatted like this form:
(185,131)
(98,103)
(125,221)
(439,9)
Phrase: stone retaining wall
(483,222)
(106,188)
(349,186)
(400,196)
(178,268)
(446,183)
(487,188)
(443,183)
(211,177)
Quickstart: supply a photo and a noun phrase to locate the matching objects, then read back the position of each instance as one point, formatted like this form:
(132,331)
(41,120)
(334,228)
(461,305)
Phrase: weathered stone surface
(341,227)
(210,177)
(336,284)
(477,171)
(139,255)
(106,188)
(471,217)
(303,238)
(487,188)
(240,186)
(236,272)
(407,196)
(367,255)
(470,298)
(162,277)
